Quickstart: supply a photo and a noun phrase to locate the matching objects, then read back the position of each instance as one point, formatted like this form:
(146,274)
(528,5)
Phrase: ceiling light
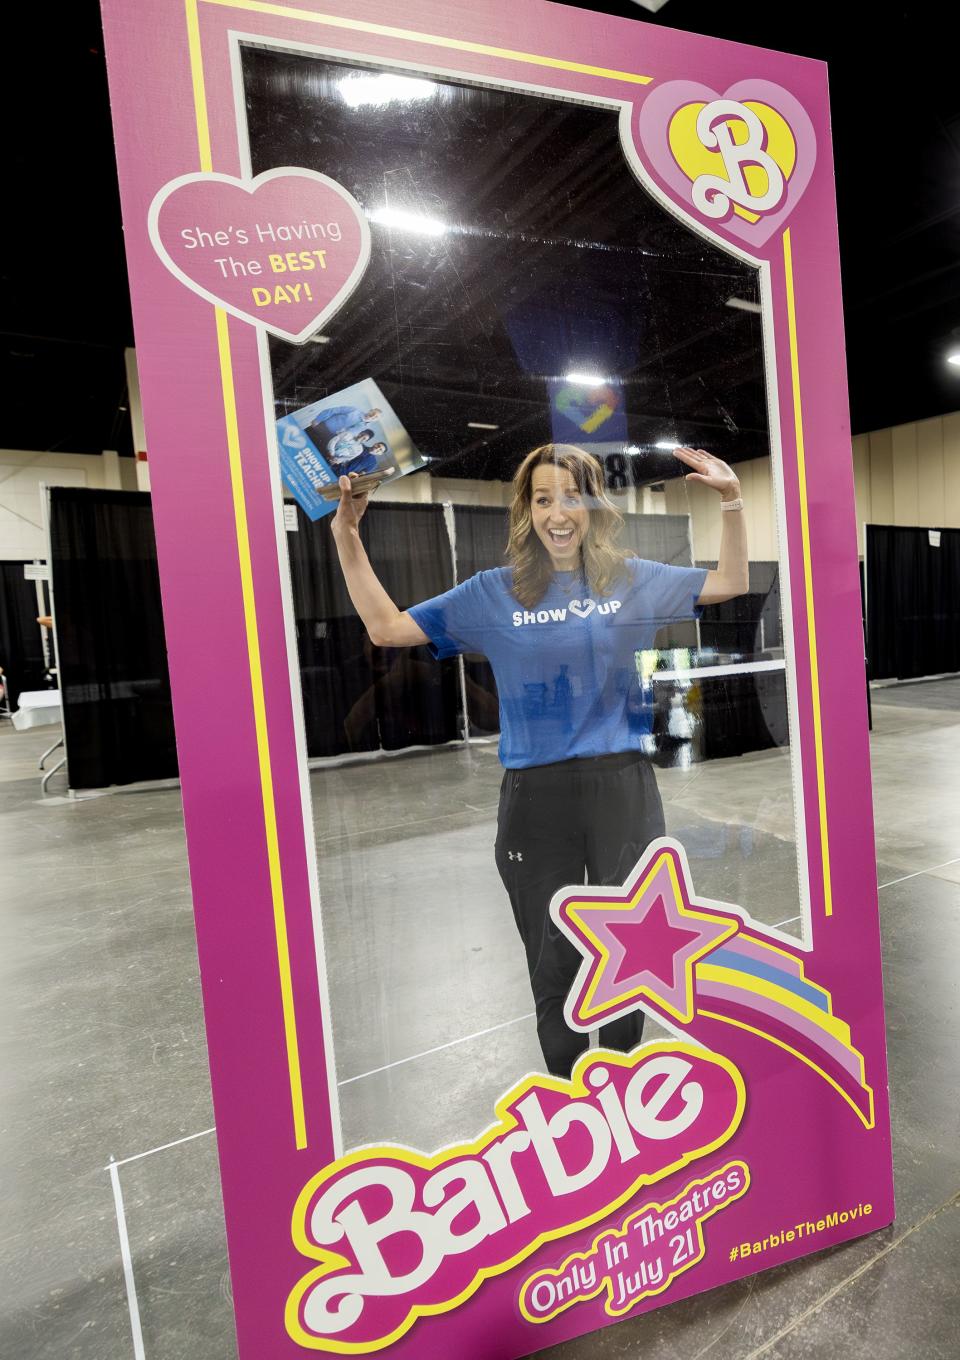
(669,444)
(381,90)
(480,425)
(633,450)
(406,221)
(586,379)
(954,358)
(743,305)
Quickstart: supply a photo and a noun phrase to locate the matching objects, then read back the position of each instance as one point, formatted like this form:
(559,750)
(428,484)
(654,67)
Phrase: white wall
(24,472)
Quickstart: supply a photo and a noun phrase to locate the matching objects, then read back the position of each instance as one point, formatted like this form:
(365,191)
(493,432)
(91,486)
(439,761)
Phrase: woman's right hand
(351,508)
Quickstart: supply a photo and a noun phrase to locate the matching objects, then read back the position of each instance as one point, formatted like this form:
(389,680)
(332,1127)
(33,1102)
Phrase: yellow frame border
(191,8)
(807,569)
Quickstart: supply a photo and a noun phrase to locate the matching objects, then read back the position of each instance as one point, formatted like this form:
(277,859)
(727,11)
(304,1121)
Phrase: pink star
(639,942)
(652,944)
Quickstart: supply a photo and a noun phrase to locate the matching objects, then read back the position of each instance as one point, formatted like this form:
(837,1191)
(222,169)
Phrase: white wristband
(732,505)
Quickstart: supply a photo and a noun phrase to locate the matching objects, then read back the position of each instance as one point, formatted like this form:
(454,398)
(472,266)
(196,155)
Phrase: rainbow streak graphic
(761,987)
(652,944)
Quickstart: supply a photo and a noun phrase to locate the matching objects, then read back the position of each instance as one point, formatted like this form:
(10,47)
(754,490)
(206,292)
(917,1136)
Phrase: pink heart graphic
(651,127)
(284,250)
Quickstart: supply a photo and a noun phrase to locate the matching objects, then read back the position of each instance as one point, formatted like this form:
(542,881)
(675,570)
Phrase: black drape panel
(743,713)
(480,535)
(358,697)
(751,623)
(913,602)
(21,645)
(117,717)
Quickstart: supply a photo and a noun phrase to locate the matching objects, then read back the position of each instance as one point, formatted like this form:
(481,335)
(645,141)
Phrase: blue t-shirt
(566,670)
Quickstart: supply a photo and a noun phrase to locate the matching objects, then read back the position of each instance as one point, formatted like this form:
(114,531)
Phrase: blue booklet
(354,430)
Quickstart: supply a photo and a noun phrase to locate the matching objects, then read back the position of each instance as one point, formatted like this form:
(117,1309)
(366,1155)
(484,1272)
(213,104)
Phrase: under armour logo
(515,855)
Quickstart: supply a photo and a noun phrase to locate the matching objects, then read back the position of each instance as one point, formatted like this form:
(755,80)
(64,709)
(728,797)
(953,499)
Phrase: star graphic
(639,942)
(653,944)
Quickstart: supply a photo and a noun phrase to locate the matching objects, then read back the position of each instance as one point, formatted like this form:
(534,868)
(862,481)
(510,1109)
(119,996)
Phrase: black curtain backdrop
(480,536)
(21,644)
(110,644)
(751,623)
(357,697)
(913,602)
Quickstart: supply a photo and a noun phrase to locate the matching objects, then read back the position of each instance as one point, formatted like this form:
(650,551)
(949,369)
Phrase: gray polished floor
(103,1055)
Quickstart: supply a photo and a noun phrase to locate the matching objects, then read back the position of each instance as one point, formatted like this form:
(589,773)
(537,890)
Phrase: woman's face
(560,518)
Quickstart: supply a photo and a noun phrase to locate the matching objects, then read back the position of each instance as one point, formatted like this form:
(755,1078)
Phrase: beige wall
(423,489)
(463,491)
(700,503)
(24,472)
(906,475)
(909,474)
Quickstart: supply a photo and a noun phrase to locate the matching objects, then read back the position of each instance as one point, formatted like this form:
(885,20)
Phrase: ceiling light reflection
(407,221)
(586,379)
(743,305)
(380,90)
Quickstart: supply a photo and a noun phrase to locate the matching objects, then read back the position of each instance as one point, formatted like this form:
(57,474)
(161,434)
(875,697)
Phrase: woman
(561,626)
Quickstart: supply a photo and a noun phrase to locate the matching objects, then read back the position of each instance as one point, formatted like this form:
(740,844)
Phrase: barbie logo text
(420,1234)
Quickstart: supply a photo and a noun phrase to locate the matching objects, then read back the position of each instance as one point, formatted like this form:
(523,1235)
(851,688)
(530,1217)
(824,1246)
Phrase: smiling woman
(579,799)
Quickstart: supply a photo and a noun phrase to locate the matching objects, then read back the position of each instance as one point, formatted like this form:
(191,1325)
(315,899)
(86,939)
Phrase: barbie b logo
(714,194)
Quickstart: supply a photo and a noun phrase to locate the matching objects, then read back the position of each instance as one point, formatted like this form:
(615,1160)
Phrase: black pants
(576,821)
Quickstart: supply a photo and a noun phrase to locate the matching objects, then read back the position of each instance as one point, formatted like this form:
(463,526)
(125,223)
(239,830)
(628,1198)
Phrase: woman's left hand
(712,471)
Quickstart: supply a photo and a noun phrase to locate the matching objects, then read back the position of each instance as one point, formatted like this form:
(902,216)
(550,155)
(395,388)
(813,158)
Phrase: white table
(41,708)
(37,708)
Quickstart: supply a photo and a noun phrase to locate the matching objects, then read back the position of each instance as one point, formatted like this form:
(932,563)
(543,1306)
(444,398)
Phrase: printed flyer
(350,433)
(508,1042)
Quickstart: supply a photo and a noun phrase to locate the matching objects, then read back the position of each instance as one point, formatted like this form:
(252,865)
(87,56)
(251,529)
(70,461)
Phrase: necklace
(571,583)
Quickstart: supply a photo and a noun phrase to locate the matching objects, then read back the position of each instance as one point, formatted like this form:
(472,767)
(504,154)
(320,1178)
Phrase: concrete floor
(100,988)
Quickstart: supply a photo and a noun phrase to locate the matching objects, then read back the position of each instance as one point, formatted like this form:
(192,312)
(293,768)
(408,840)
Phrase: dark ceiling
(896,118)
(549,259)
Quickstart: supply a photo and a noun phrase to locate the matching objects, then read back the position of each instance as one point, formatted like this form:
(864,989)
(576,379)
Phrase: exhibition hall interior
(525,290)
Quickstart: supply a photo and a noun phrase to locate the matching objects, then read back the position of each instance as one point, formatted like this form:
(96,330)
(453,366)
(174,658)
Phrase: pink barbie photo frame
(470,208)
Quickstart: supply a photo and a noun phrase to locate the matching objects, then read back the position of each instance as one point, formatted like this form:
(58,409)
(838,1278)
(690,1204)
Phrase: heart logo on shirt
(582,608)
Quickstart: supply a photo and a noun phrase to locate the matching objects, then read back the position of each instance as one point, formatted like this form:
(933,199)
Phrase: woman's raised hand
(351,508)
(712,471)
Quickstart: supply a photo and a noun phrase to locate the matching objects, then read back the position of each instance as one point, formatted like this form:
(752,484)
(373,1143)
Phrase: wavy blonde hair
(602,559)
